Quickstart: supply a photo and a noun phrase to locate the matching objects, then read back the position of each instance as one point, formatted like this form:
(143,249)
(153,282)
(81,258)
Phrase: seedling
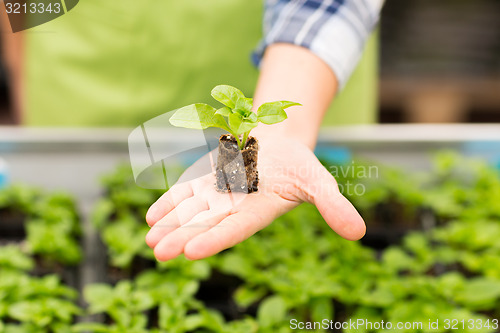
(238,119)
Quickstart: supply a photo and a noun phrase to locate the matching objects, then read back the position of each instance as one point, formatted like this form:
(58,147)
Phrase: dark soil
(69,274)
(12,225)
(113,275)
(237,169)
(217,293)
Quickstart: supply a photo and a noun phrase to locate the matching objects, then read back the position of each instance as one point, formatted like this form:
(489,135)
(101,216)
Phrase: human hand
(194,219)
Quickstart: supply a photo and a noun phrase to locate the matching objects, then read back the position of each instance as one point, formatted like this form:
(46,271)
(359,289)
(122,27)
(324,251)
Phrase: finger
(223,202)
(173,243)
(337,211)
(174,196)
(342,217)
(253,215)
(180,215)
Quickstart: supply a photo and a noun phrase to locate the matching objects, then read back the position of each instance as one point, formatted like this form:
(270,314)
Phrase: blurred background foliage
(437,258)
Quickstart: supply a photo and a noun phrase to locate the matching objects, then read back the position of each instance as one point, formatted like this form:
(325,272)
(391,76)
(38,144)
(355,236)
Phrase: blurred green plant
(120,218)
(167,295)
(298,268)
(50,222)
(295,268)
(32,304)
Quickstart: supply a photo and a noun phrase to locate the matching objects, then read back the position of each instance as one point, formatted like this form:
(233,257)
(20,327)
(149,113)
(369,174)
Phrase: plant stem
(237,140)
(244,140)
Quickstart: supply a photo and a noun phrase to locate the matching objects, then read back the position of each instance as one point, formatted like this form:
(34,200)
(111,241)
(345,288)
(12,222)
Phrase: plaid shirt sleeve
(334,30)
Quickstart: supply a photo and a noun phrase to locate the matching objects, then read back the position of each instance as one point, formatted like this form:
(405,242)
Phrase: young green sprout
(236,116)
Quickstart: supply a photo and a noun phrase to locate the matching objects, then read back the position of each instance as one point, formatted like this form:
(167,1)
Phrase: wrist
(266,133)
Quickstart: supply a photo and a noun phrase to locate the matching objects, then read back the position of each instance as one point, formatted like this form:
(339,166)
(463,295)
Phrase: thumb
(322,191)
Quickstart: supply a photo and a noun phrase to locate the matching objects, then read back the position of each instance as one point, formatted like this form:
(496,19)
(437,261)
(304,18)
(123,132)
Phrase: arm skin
(290,72)
(192,218)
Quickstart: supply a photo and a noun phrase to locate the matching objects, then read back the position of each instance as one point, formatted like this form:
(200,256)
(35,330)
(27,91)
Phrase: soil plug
(237,169)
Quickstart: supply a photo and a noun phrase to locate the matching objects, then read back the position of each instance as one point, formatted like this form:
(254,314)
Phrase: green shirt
(120,63)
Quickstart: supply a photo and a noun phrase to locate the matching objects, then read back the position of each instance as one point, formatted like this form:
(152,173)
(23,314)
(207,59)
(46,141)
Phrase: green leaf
(209,319)
(102,212)
(189,289)
(52,241)
(367,314)
(198,116)
(247,325)
(91,327)
(273,112)
(166,316)
(450,283)
(142,300)
(23,311)
(239,125)
(193,322)
(245,104)
(395,259)
(276,105)
(382,296)
(480,293)
(225,111)
(272,311)
(246,296)
(99,296)
(196,269)
(12,256)
(321,308)
(270,117)
(227,95)
(252,117)
(125,239)
(237,264)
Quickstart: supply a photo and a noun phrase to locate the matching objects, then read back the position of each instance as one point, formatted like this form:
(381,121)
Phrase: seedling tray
(74,159)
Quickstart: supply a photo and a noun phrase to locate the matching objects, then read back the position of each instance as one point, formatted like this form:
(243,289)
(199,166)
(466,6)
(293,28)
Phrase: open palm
(194,219)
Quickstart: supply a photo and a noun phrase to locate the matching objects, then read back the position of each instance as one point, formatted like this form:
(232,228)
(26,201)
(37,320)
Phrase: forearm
(293,73)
